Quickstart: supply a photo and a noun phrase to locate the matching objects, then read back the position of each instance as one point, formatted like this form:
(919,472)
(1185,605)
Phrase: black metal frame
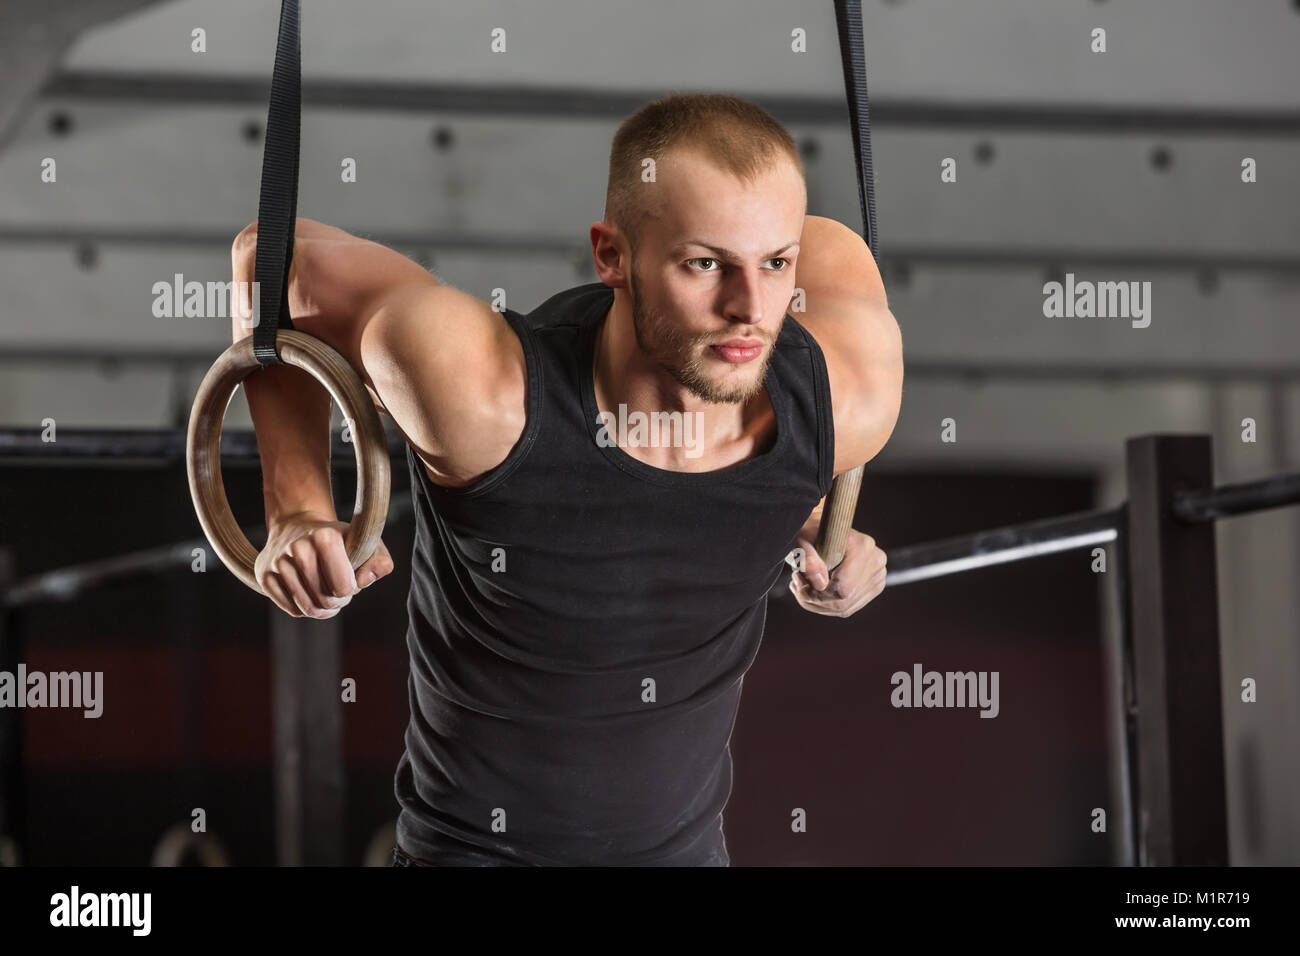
(156,445)
(1164,566)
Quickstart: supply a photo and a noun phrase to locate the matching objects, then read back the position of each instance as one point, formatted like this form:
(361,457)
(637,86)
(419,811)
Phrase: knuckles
(300,548)
(326,537)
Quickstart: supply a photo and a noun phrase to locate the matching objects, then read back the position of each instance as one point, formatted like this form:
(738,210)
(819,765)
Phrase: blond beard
(682,355)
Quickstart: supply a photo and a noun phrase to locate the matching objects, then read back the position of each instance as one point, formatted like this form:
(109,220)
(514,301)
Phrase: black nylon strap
(848,21)
(278,202)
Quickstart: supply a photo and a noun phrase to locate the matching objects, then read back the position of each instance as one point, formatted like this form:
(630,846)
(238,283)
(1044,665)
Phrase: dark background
(187,689)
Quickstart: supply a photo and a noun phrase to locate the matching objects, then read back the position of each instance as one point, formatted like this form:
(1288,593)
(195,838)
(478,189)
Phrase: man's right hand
(305,568)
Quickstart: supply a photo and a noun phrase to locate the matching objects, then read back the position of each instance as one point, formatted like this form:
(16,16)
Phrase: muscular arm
(848,314)
(335,283)
(433,358)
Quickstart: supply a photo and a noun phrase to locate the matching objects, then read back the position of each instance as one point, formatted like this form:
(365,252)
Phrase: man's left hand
(858,578)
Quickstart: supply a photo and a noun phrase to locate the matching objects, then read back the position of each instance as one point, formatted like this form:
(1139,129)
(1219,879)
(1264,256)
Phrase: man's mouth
(738,351)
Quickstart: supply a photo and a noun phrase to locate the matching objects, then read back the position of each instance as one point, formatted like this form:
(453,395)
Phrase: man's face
(713,274)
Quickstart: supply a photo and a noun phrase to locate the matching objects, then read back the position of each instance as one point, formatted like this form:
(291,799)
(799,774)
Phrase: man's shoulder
(569,307)
(464,310)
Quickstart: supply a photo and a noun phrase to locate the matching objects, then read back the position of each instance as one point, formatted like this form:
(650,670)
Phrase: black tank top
(581,622)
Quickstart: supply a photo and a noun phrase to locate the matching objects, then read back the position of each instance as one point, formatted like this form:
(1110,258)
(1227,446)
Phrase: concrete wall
(155,177)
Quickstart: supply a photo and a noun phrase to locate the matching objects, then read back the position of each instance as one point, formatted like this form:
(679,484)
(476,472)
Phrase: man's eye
(784,262)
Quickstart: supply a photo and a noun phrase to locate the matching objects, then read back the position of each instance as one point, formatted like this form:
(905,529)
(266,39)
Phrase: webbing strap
(848,21)
(278,202)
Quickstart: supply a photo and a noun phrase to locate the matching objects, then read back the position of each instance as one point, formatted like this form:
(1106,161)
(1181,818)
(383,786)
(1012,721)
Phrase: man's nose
(745,298)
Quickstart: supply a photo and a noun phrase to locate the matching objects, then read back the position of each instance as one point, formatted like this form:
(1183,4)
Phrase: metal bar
(973,373)
(907,564)
(999,546)
(1227,500)
(1117,653)
(1181,779)
(67,583)
(1050,535)
(308,740)
(13,796)
(70,582)
(981,372)
(1090,257)
(213,235)
(157,444)
(532,100)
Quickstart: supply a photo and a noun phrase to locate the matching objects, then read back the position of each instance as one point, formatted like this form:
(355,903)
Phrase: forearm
(291,416)
(337,284)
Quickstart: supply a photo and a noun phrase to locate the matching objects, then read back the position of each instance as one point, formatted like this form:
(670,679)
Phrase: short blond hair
(741,137)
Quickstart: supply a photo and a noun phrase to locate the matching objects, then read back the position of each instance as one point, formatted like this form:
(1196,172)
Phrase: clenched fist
(305,568)
(858,578)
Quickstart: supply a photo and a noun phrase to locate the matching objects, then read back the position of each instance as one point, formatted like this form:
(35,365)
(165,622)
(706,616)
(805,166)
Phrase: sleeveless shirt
(580,622)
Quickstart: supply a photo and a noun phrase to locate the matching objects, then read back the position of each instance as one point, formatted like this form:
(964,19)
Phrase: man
(606,489)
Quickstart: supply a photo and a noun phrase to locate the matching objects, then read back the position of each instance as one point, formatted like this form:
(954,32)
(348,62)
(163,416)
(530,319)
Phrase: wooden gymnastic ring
(203,448)
(179,839)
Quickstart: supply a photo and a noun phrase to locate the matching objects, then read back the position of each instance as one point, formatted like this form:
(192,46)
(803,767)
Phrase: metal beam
(308,740)
(1121,712)
(160,445)
(13,791)
(533,100)
(200,237)
(1212,503)
(1048,258)
(65,584)
(999,546)
(1173,594)
(970,373)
